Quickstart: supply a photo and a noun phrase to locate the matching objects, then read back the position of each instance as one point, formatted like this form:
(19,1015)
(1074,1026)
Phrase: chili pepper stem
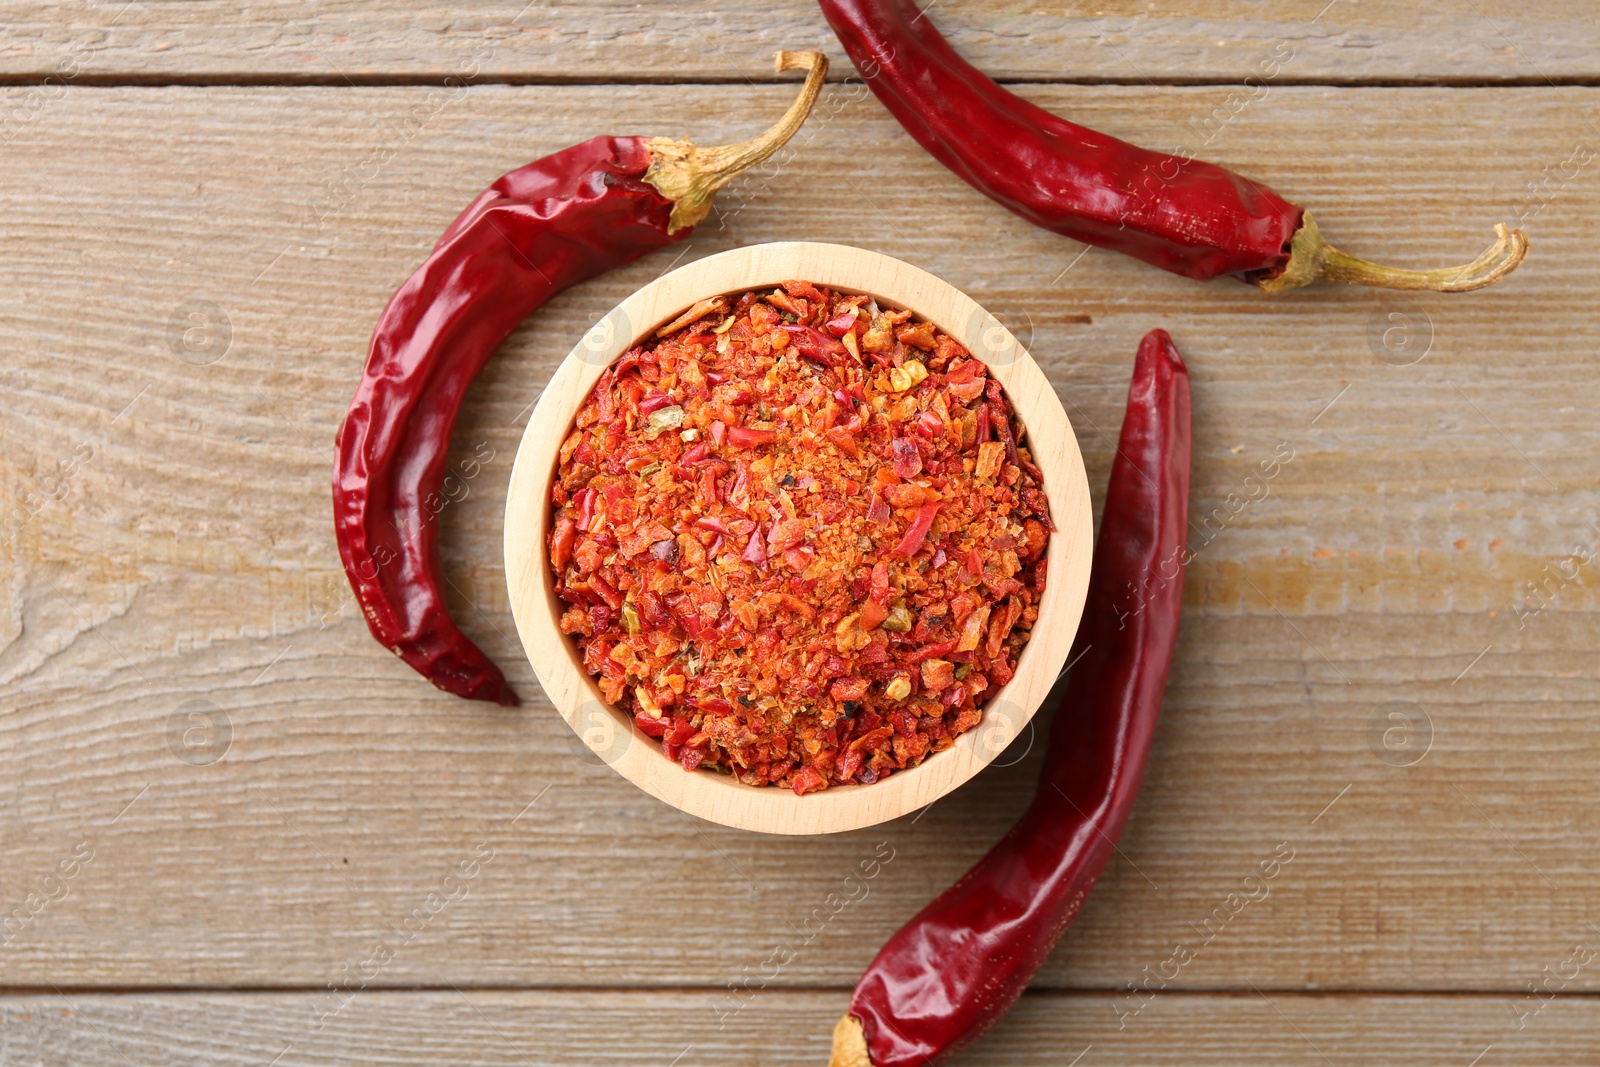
(690,175)
(849,1044)
(1311,257)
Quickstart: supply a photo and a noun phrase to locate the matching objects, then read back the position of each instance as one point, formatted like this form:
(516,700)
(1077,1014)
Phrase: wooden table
(238,832)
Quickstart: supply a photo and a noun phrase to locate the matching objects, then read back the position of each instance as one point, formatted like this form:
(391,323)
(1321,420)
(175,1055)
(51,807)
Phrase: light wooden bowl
(609,733)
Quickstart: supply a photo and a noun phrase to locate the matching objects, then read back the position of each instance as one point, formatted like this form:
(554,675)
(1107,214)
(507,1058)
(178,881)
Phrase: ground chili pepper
(1183,215)
(537,230)
(953,970)
(790,542)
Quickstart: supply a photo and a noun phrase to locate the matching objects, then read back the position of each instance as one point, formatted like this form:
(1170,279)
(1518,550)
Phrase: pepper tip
(1159,340)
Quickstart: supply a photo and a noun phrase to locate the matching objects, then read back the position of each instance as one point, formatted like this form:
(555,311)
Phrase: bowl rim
(610,734)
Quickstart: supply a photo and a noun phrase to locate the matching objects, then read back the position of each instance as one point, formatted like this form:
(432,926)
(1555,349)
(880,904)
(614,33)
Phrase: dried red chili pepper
(1183,215)
(952,971)
(558,221)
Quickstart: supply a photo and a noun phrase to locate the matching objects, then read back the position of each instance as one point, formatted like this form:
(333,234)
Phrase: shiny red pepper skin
(541,228)
(954,969)
(1183,215)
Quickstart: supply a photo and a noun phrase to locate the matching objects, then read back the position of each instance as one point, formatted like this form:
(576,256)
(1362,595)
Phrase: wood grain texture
(610,732)
(188,556)
(787,1029)
(1132,41)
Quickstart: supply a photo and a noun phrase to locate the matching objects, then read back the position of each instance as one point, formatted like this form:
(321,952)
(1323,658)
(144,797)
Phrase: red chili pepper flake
(918,530)
(740,437)
(800,539)
(907,461)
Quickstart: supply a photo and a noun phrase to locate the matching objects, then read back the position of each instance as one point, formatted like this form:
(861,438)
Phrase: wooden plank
(789,1028)
(1130,41)
(189,559)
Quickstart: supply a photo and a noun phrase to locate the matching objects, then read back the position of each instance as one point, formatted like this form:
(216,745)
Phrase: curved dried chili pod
(539,229)
(1183,215)
(953,970)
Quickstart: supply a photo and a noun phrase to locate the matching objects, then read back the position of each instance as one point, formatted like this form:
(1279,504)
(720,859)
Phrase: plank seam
(447,80)
(21,991)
